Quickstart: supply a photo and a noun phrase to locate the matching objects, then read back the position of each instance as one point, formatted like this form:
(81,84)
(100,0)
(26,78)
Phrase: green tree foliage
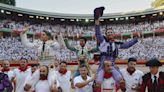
(9,2)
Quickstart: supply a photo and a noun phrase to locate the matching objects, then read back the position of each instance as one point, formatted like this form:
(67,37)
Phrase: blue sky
(84,6)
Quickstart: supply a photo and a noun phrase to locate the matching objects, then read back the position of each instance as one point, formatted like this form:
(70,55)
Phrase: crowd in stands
(12,49)
(145,49)
(84,30)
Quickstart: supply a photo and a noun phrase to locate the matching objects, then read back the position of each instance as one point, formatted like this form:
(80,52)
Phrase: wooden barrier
(119,62)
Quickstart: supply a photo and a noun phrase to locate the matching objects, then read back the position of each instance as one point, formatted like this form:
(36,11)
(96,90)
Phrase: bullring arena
(66,31)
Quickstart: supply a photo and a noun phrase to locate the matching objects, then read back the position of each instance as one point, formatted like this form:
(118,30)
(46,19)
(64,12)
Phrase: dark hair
(132,60)
(83,38)
(63,62)
(82,66)
(48,34)
(107,30)
(22,58)
(33,65)
(153,62)
(46,67)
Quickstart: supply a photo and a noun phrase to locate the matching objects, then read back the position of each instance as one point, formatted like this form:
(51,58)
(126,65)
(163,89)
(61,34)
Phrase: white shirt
(10,74)
(34,79)
(152,76)
(131,80)
(87,88)
(108,85)
(21,78)
(50,47)
(26,82)
(64,80)
(42,86)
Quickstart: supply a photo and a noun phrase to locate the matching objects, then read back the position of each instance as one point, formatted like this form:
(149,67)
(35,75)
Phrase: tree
(9,2)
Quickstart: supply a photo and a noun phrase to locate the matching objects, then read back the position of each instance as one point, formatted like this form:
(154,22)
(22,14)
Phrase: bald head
(107,65)
(5,64)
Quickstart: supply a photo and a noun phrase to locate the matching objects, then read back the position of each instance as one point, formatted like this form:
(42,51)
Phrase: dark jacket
(5,84)
(147,83)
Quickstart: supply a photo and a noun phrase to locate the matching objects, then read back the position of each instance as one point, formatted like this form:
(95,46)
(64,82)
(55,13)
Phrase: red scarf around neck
(5,70)
(112,40)
(107,75)
(22,69)
(63,72)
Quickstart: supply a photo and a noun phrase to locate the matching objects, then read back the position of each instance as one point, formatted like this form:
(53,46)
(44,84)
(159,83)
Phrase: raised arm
(60,40)
(98,12)
(68,46)
(98,34)
(128,44)
(24,40)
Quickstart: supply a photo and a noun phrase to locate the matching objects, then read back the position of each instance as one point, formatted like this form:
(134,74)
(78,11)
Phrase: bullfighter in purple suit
(108,47)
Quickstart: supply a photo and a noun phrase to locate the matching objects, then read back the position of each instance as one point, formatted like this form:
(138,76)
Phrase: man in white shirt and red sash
(108,84)
(45,83)
(64,77)
(34,67)
(21,74)
(6,69)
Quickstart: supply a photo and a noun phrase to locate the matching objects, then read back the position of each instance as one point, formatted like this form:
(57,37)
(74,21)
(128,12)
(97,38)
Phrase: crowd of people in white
(85,30)
(12,49)
(145,49)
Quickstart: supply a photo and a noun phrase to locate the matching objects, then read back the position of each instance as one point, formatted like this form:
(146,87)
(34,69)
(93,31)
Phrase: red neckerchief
(43,78)
(5,70)
(22,69)
(130,72)
(107,75)
(63,72)
(112,40)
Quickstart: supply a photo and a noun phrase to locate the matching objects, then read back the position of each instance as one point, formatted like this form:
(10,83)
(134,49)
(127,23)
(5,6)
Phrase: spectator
(131,76)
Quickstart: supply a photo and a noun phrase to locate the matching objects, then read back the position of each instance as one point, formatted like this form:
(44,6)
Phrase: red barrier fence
(119,62)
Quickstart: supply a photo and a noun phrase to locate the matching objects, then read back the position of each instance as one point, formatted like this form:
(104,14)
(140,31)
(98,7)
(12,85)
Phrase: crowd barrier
(118,62)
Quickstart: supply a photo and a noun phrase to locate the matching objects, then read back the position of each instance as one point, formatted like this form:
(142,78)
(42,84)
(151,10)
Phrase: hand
(97,22)
(122,85)
(93,78)
(54,88)
(137,34)
(27,87)
(135,87)
(25,29)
